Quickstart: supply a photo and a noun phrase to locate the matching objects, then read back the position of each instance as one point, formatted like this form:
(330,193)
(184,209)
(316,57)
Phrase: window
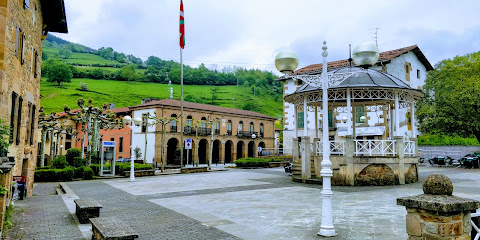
(229,127)
(251,127)
(189,121)
(203,124)
(217,126)
(261,130)
(173,123)
(26,4)
(240,126)
(35,65)
(29,124)
(32,124)
(18,41)
(300,121)
(22,49)
(112,139)
(12,117)
(120,144)
(144,122)
(330,118)
(19,120)
(358,114)
(418,73)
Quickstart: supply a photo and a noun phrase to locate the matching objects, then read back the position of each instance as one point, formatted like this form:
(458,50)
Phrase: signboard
(188,143)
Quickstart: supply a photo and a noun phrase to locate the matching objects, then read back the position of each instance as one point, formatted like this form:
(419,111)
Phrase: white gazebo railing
(336,148)
(375,147)
(276,151)
(410,148)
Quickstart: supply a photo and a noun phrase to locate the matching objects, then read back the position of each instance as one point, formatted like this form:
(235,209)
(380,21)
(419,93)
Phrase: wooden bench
(141,173)
(86,208)
(111,228)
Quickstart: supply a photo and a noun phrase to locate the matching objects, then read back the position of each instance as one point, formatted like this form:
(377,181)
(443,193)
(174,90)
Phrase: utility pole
(376,35)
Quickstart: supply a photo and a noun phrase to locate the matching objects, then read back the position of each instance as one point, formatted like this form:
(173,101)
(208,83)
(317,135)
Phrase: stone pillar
(349,153)
(437,214)
(295,153)
(221,153)
(306,162)
(400,149)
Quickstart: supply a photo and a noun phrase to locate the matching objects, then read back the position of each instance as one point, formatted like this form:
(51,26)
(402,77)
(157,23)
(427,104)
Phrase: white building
(408,64)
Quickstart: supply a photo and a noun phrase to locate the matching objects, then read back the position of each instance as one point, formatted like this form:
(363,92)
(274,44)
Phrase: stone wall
(411,176)
(376,175)
(18,76)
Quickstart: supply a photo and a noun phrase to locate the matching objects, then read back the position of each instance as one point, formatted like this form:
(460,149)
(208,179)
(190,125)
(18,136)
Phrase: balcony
(217,132)
(201,131)
(229,132)
(246,134)
(173,128)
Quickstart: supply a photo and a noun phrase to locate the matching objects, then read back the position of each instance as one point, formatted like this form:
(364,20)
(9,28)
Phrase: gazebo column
(316,122)
(349,113)
(414,132)
(397,114)
(305,117)
(306,162)
(349,153)
(295,123)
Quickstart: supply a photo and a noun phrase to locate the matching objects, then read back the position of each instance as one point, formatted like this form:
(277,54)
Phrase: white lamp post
(136,122)
(286,62)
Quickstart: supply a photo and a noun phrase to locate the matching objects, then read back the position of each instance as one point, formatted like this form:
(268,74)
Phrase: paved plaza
(233,204)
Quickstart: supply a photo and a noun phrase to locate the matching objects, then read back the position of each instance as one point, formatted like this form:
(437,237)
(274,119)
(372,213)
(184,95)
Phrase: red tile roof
(384,57)
(199,106)
(116,110)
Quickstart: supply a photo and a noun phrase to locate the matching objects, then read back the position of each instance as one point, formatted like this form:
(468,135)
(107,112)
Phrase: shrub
(54,175)
(253,162)
(84,87)
(78,172)
(87,173)
(79,162)
(121,168)
(441,140)
(72,153)
(59,162)
(95,168)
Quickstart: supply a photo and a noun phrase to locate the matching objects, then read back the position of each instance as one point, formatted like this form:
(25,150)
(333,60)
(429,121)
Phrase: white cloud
(250,32)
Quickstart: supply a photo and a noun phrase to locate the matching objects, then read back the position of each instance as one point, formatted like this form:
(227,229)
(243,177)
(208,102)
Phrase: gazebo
(386,157)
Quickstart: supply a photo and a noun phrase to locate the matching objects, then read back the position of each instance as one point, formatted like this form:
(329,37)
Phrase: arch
(228,151)
(240,147)
(202,151)
(216,151)
(251,149)
(172,156)
(376,175)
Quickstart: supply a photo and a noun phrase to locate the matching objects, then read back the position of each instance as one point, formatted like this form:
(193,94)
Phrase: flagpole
(181,116)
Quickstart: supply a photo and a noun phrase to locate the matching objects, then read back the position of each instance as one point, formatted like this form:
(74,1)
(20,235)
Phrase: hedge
(442,140)
(54,175)
(254,162)
(121,168)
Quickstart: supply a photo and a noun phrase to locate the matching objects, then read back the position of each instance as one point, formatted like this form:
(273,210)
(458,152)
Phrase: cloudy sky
(249,33)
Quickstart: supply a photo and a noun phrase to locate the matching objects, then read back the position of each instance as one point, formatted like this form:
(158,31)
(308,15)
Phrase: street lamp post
(127,120)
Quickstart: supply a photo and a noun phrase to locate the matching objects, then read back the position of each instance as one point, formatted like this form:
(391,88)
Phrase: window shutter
(12,117)
(300,120)
(19,119)
(32,127)
(330,118)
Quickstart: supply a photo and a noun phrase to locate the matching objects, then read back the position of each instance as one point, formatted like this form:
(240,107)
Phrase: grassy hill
(109,88)
(125,94)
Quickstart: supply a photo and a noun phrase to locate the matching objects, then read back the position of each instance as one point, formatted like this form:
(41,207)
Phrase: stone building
(23,26)
(237,133)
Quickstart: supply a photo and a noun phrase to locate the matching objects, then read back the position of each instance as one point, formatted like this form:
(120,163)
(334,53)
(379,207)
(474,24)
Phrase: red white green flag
(182,26)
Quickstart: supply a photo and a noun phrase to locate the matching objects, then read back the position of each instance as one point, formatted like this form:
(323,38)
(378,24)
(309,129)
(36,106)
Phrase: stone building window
(35,64)
(189,121)
(26,4)
(261,130)
(173,123)
(120,144)
(229,127)
(240,126)
(251,127)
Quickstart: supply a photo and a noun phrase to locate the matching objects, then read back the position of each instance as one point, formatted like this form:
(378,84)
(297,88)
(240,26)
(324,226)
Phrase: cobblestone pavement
(43,216)
(234,204)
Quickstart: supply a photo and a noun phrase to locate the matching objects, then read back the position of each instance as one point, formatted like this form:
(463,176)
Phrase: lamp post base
(327,232)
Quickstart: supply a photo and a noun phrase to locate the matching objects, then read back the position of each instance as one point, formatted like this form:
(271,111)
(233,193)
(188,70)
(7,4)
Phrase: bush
(79,162)
(54,175)
(78,172)
(253,162)
(95,168)
(121,168)
(59,162)
(87,173)
(72,153)
(441,140)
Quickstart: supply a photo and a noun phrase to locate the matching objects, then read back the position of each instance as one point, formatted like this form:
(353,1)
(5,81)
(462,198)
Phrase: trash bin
(21,186)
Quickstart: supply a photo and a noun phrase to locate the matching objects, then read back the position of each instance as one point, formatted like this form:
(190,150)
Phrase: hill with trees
(249,89)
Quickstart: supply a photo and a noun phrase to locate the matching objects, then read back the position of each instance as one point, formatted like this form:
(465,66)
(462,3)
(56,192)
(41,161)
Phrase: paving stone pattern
(149,220)
(43,217)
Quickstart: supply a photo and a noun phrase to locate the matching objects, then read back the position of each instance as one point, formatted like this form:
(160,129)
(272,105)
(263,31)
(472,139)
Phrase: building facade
(408,64)
(23,25)
(236,133)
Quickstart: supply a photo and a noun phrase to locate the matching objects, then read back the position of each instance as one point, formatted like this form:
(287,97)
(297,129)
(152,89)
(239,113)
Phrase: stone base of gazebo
(369,171)
(353,165)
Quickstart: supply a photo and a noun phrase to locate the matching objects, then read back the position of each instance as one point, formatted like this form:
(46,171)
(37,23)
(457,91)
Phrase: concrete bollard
(437,214)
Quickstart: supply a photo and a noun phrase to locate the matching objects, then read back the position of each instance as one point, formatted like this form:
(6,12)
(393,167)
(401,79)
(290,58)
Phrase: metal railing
(201,131)
(246,134)
(276,151)
(375,147)
(336,148)
(410,148)
(173,128)
(475,225)
(229,132)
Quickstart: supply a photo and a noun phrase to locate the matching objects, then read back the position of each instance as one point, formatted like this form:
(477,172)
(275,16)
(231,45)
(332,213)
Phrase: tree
(127,73)
(58,71)
(64,53)
(452,98)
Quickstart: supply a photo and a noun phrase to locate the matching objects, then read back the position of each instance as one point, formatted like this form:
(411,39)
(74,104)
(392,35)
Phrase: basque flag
(182,26)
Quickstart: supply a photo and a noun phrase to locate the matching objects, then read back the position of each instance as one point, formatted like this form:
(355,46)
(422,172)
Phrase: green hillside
(124,94)
(114,77)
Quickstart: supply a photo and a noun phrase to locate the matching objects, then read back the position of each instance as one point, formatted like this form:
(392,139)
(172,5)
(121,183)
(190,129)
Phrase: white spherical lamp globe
(286,62)
(365,54)
(127,119)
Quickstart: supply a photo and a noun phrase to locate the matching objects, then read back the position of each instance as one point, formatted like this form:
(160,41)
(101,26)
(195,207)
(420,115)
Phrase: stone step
(314,181)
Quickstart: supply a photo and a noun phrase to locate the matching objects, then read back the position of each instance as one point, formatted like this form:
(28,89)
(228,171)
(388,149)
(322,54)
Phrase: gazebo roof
(361,78)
